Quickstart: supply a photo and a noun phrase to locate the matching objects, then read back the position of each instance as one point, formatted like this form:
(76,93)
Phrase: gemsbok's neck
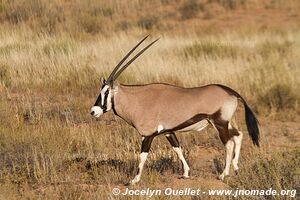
(126,100)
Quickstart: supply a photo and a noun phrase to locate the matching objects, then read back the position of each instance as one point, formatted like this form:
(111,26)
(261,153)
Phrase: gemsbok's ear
(102,80)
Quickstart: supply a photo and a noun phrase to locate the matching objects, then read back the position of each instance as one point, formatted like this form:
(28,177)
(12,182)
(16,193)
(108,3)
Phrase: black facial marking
(99,99)
(104,106)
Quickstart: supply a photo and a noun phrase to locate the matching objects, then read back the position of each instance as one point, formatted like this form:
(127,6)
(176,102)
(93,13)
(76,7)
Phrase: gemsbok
(158,108)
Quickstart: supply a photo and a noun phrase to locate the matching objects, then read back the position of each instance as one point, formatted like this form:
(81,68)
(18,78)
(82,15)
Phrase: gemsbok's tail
(251,120)
(252,124)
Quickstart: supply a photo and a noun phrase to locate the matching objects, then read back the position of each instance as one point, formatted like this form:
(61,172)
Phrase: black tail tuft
(252,124)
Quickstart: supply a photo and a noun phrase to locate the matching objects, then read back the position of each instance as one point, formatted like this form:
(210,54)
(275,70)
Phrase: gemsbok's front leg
(175,145)
(146,144)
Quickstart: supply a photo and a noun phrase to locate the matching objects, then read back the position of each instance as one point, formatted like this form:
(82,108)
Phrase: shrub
(5,78)
(279,97)
(148,22)
(91,24)
(277,172)
(190,9)
(229,4)
(212,49)
(268,48)
(123,25)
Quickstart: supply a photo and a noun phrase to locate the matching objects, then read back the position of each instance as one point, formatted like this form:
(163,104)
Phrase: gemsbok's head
(104,101)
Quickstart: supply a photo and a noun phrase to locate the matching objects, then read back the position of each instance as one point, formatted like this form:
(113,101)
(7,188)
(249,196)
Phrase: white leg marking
(160,128)
(229,151)
(143,158)
(186,167)
(238,143)
(229,126)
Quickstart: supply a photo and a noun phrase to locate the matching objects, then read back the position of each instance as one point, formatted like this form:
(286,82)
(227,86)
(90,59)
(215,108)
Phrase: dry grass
(50,64)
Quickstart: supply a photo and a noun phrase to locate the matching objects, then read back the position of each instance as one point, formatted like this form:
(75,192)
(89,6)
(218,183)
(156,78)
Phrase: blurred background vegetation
(52,53)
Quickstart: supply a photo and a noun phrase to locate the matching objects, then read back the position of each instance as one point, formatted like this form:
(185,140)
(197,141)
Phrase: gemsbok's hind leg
(226,136)
(146,144)
(176,147)
(238,143)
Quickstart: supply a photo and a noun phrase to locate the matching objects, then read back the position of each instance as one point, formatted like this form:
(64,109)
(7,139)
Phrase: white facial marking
(160,128)
(96,111)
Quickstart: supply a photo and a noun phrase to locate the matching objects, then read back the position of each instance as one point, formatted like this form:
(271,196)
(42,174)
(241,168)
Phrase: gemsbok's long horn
(132,59)
(110,78)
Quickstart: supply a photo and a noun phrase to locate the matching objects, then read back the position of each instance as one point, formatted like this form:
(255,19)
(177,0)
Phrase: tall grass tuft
(210,49)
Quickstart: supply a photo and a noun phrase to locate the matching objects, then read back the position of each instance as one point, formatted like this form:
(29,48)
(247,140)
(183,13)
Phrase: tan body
(149,106)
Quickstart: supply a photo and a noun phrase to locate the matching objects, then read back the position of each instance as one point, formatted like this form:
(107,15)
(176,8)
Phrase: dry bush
(210,49)
(277,171)
(42,14)
(190,9)
(5,78)
(279,97)
(229,4)
(270,48)
(65,47)
(92,24)
(148,22)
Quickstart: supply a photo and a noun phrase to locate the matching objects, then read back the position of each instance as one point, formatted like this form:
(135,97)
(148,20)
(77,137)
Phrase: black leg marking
(222,127)
(146,144)
(172,139)
(175,144)
(224,132)
(234,132)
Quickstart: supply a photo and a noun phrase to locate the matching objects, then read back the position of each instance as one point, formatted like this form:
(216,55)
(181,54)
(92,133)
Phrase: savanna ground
(52,54)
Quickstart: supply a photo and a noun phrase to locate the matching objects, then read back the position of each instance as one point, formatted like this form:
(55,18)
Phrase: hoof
(236,172)
(184,177)
(221,177)
(128,184)
(132,182)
